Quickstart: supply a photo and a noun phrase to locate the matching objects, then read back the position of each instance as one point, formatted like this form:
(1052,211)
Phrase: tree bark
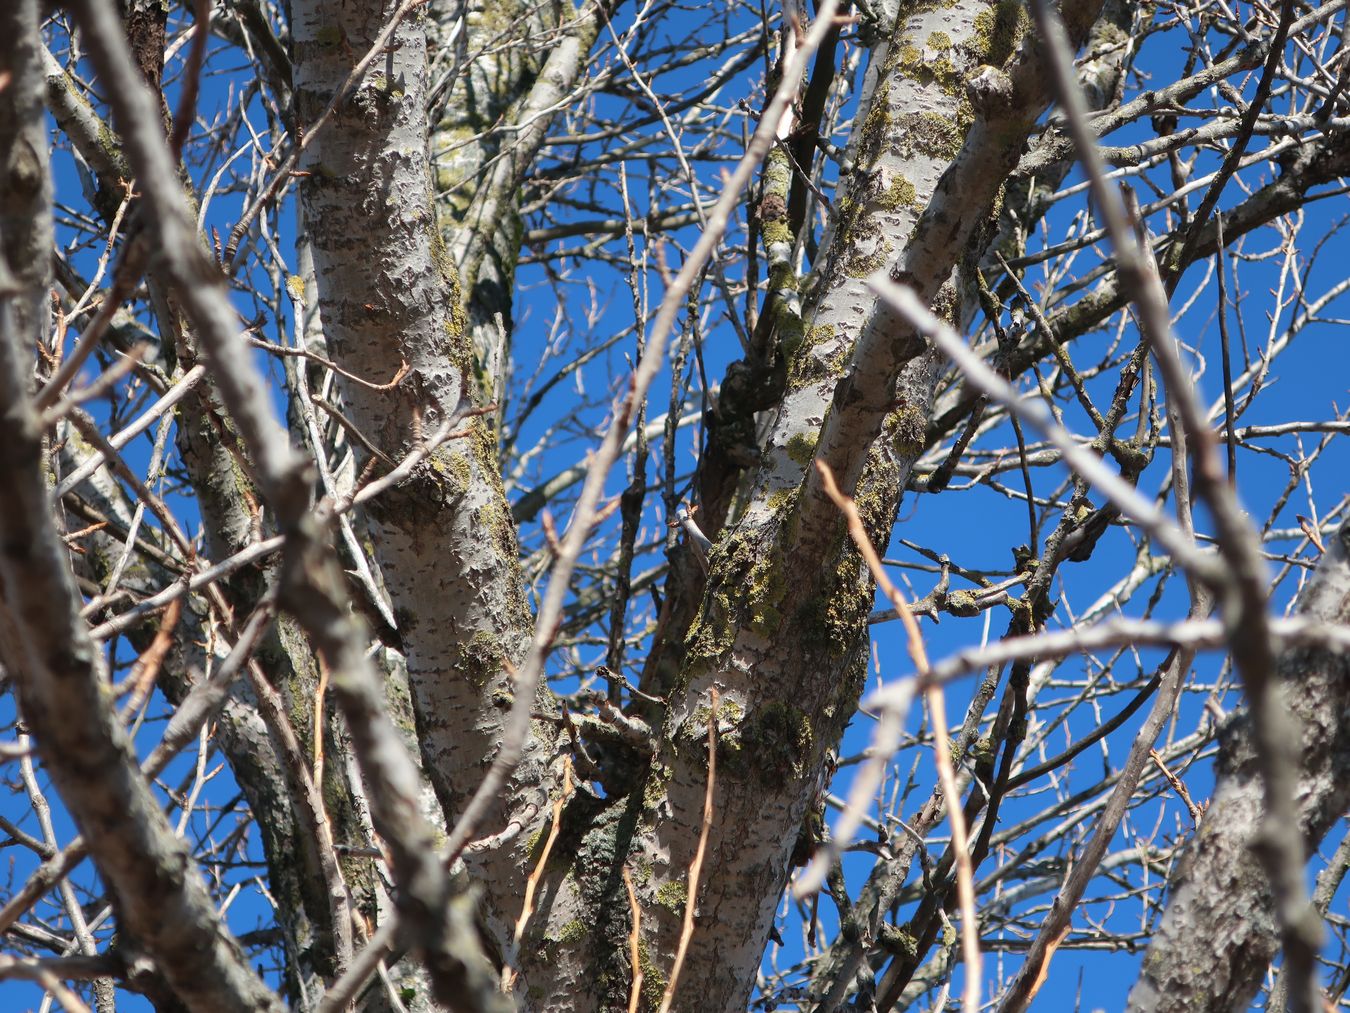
(1219,932)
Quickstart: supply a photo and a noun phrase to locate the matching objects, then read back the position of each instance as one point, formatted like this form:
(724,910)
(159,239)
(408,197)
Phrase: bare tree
(452,451)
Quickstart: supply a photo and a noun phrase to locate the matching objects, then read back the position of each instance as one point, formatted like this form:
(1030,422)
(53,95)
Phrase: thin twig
(696,866)
(634,943)
(532,884)
(942,747)
(1197,811)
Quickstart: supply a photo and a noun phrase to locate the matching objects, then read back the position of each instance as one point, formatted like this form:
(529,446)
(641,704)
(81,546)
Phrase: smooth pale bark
(387,295)
(1219,932)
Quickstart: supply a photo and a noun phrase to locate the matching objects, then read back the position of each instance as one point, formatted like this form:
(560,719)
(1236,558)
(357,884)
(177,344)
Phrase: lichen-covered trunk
(387,296)
(780,631)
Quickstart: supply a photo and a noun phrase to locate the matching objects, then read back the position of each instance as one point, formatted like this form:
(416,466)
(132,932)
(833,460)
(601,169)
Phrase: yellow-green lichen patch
(766,592)
(810,364)
(653,979)
(876,124)
(780,501)
(776,231)
(983,752)
(897,941)
(790,331)
(930,135)
(777,173)
(534,847)
(899,194)
(329,35)
(818,334)
(747,595)
(833,618)
(800,448)
(927,67)
(998,32)
(499,16)
(572,933)
(454,467)
(864,228)
(654,791)
(710,636)
(481,657)
(963,604)
(859,264)
(778,739)
(672,896)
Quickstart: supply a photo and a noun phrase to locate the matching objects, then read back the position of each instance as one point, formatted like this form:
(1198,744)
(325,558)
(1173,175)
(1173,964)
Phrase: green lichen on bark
(998,31)
(481,657)
(906,428)
(928,134)
(924,66)
(963,604)
(898,942)
(600,854)
(808,365)
(572,933)
(832,618)
(800,448)
(672,896)
(861,265)
(329,35)
(454,467)
(900,193)
(766,592)
(776,181)
(653,979)
(780,501)
(749,596)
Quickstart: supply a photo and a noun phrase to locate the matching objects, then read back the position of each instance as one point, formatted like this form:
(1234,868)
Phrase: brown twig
(1197,811)
(942,748)
(532,884)
(192,78)
(634,944)
(696,866)
(147,665)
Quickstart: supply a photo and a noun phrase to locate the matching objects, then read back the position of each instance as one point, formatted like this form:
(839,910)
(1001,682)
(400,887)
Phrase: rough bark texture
(388,295)
(780,625)
(1219,933)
